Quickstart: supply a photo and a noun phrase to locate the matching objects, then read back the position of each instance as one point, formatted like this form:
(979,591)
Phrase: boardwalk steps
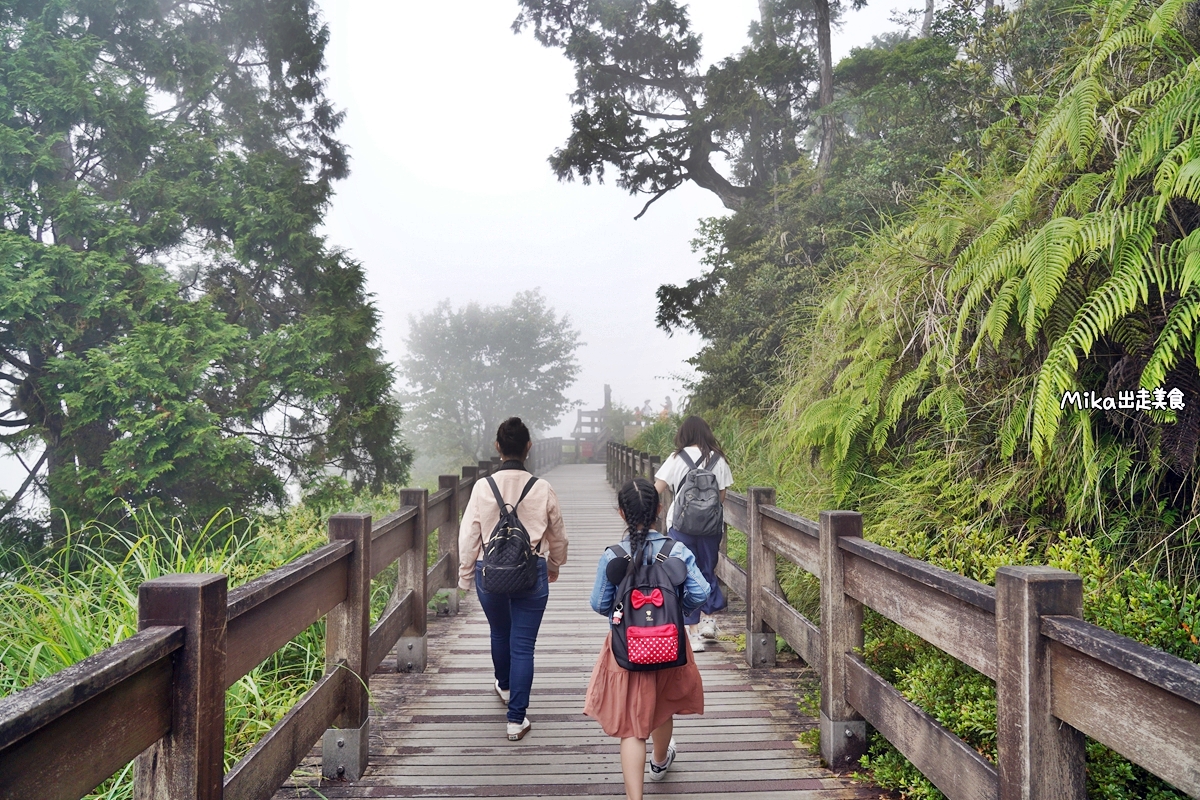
(442,733)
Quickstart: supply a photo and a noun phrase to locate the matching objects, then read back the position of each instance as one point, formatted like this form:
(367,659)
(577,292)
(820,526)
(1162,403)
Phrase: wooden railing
(1058,678)
(545,454)
(158,698)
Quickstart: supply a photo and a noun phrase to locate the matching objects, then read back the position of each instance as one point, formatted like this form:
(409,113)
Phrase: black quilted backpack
(510,563)
(647,620)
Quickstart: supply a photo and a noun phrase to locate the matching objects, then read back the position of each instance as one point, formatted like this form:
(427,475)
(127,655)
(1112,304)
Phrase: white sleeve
(724,474)
(666,473)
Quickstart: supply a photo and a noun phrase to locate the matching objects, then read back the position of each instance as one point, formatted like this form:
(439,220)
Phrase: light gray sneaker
(697,644)
(517,730)
(657,773)
(503,694)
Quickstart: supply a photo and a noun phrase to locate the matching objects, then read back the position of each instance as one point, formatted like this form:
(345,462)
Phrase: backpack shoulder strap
(687,459)
(496,491)
(712,459)
(664,552)
(525,491)
(618,566)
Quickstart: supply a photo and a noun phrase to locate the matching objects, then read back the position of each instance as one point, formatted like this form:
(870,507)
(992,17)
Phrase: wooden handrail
(120,695)
(84,723)
(1141,702)
(273,609)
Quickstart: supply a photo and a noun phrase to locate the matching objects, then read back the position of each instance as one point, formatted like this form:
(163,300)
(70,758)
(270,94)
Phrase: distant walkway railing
(158,698)
(1058,678)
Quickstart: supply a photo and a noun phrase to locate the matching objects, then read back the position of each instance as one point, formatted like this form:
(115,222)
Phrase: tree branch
(650,202)
(12,502)
(16,362)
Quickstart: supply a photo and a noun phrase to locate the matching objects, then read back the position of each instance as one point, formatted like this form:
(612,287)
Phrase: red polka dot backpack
(647,620)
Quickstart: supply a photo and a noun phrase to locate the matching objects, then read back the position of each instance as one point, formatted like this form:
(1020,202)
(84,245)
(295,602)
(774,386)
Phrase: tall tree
(172,327)
(647,111)
(468,370)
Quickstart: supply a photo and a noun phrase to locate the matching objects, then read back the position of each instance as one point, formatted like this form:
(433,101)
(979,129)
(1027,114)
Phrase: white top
(674,468)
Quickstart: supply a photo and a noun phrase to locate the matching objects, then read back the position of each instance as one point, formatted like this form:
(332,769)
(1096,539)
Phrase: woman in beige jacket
(514,619)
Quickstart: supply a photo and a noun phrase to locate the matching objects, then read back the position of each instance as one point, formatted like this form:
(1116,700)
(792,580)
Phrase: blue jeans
(705,549)
(514,620)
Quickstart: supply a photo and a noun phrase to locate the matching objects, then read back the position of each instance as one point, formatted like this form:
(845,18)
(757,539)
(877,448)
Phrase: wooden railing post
(448,537)
(1040,757)
(411,651)
(760,576)
(608,451)
(189,762)
(345,747)
(485,468)
(842,729)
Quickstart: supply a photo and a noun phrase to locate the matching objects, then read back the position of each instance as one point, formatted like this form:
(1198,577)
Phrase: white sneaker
(707,628)
(503,694)
(657,773)
(697,644)
(517,730)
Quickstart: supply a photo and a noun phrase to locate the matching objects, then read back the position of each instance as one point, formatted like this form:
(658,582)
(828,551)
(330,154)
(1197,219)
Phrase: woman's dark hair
(695,432)
(638,500)
(512,436)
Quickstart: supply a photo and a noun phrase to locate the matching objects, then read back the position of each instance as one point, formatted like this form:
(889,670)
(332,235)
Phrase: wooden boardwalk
(442,733)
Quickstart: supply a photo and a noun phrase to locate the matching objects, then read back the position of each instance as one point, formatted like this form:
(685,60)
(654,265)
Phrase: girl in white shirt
(696,438)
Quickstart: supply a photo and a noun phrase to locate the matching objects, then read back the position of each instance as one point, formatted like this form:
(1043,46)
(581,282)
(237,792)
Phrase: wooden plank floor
(442,733)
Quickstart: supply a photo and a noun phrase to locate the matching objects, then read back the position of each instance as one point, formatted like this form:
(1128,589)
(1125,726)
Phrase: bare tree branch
(16,498)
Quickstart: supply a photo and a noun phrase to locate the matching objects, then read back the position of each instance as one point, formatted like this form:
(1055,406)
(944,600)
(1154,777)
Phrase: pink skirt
(632,704)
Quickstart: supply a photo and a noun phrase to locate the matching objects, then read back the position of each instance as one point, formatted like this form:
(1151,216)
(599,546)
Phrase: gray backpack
(698,510)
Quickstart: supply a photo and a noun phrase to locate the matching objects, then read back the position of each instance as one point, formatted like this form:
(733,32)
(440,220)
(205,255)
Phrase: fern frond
(1113,299)
(1178,174)
(1177,337)
(1130,37)
(1163,19)
(1073,123)
(996,320)
(1050,253)
(1013,429)
(979,277)
(1082,193)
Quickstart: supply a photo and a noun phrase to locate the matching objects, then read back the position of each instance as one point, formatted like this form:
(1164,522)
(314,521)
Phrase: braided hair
(638,500)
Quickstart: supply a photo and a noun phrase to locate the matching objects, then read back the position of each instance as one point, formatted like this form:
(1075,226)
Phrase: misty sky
(449,120)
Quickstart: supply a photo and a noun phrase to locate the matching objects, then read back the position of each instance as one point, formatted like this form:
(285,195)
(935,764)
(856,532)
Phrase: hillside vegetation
(900,341)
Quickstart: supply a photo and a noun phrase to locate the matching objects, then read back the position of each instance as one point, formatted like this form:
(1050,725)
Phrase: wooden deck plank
(442,733)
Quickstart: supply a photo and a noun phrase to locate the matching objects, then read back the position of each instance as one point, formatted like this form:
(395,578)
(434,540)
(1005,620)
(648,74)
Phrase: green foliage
(658,438)
(907,106)
(174,329)
(469,370)
(1052,246)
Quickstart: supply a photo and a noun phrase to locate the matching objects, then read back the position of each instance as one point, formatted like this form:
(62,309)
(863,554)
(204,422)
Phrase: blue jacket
(695,588)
